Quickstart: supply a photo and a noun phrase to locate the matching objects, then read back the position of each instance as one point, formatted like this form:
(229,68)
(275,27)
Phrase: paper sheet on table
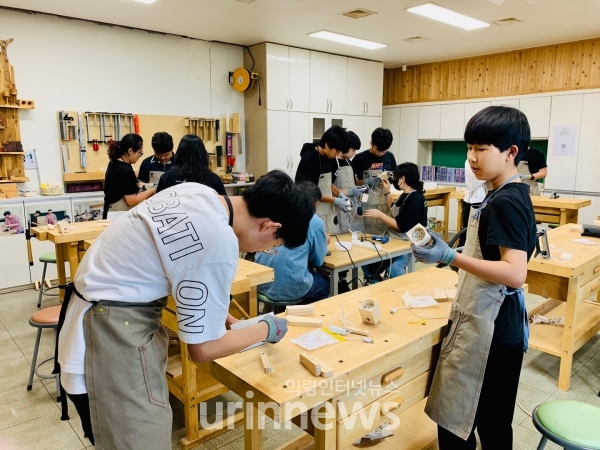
(584,241)
(314,339)
(248,323)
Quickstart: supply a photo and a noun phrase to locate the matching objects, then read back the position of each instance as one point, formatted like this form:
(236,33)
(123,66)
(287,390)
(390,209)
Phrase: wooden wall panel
(562,67)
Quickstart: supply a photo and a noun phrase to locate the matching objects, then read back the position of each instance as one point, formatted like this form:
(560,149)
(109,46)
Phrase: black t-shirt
(120,180)
(535,159)
(334,166)
(508,221)
(413,210)
(368,161)
(151,164)
(312,164)
(173,177)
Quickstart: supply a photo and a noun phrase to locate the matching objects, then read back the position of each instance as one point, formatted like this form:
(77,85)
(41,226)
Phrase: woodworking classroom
(444,292)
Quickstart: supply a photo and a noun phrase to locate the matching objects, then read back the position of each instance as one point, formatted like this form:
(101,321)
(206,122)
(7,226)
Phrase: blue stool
(277,306)
(572,425)
(46,258)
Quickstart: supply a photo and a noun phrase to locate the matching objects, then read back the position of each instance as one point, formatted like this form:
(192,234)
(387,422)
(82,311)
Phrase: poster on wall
(11,222)
(85,210)
(564,140)
(40,214)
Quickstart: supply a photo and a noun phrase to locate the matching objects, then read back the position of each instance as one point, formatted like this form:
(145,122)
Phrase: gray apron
(393,212)
(154,176)
(326,211)
(376,201)
(523,170)
(348,221)
(456,386)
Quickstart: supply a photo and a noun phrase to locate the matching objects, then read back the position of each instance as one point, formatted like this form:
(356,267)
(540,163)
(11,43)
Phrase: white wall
(81,66)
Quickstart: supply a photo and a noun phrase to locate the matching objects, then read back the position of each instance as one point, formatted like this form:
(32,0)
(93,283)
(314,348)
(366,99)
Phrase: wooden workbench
(437,197)
(572,288)
(69,246)
(559,211)
(340,261)
(405,349)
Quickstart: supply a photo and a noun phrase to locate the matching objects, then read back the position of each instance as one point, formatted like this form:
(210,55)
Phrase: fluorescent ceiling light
(436,12)
(347,40)
(145,1)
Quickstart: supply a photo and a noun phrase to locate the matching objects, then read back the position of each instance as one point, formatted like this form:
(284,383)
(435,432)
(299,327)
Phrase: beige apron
(456,386)
(154,176)
(345,180)
(394,211)
(115,210)
(376,201)
(326,211)
(523,170)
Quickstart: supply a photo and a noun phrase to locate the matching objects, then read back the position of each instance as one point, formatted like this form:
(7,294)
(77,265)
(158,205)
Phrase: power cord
(351,260)
(394,310)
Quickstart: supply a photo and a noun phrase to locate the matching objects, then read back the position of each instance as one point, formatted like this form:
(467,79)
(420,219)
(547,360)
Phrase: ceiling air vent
(509,21)
(358,13)
(246,1)
(415,39)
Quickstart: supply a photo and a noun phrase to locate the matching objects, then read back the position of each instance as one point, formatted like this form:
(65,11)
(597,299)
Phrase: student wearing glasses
(121,186)
(293,278)
(153,167)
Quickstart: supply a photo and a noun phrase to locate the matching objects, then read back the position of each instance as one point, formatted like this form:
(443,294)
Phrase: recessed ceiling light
(145,1)
(436,12)
(347,40)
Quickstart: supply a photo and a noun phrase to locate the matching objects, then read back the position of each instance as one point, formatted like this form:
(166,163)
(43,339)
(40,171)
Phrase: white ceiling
(289,21)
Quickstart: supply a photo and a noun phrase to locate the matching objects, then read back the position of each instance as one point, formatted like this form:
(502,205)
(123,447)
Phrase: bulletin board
(113,125)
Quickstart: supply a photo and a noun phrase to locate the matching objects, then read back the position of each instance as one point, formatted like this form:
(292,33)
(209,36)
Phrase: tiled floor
(31,419)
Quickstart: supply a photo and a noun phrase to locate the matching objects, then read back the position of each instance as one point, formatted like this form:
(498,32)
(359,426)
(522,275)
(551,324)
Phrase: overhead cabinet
(328,82)
(588,158)
(288,73)
(286,133)
(365,88)
(363,126)
(537,110)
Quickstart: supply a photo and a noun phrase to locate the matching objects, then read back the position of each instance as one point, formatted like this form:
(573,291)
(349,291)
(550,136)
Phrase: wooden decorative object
(450,294)
(267,366)
(356,331)
(311,363)
(300,310)
(304,321)
(439,295)
(370,312)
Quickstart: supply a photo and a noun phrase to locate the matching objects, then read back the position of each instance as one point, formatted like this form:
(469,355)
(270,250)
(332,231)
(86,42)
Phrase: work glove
(356,191)
(525,177)
(436,252)
(372,181)
(342,203)
(278,326)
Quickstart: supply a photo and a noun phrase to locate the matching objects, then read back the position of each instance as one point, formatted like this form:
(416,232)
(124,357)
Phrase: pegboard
(95,125)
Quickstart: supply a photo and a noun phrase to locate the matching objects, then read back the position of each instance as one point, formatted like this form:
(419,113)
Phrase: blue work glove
(525,177)
(356,191)
(342,203)
(436,252)
(278,326)
(372,181)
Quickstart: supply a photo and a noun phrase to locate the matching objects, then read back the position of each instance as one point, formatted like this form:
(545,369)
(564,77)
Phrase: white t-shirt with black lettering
(177,242)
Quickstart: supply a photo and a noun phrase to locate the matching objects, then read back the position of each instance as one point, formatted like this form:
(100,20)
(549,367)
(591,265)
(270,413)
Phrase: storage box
(8,190)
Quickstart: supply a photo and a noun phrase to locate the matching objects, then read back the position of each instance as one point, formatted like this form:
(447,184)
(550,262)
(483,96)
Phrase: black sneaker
(343,286)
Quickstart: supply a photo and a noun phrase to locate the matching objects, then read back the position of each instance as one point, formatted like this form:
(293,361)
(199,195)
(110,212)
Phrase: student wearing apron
(153,167)
(184,242)
(476,379)
(121,186)
(533,168)
(405,213)
(315,166)
(368,167)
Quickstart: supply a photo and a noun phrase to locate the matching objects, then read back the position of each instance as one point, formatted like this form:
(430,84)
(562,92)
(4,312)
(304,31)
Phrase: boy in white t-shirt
(184,241)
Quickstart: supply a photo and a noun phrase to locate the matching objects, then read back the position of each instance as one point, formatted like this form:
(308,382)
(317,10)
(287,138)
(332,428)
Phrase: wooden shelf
(11,153)
(19,180)
(87,176)
(26,104)
(549,338)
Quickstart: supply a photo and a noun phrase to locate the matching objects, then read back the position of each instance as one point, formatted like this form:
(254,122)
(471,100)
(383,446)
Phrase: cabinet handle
(330,105)
(287,166)
(387,409)
(367,107)
(364,107)
(292,160)
(291,103)
(387,378)
(327,105)
(597,269)
(594,287)
(287,102)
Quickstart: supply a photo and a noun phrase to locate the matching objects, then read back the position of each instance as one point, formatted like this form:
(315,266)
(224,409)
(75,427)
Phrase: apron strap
(228,201)
(487,199)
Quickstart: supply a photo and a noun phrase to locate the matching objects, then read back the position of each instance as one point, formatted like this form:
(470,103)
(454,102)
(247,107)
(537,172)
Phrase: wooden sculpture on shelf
(8,87)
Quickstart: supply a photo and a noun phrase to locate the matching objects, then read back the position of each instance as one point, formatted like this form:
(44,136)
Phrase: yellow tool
(418,322)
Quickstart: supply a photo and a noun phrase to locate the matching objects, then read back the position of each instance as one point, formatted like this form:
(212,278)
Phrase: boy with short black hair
(154,166)
(477,376)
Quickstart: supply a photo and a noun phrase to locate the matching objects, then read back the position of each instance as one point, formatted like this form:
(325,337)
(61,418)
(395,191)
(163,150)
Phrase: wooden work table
(69,246)
(437,197)
(572,288)
(403,357)
(340,261)
(558,211)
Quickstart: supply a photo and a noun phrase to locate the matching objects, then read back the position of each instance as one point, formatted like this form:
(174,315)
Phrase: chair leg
(542,443)
(42,285)
(58,374)
(34,359)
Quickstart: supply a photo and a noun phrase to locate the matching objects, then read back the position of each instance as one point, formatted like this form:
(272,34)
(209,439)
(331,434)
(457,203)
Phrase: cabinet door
(588,158)
(391,121)
(357,124)
(357,82)
(278,140)
(299,79)
(14,265)
(537,110)
(566,110)
(473,108)
(338,80)
(452,121)
(278,76)
(512,102)
(374,88)
(408,140)
(299,135)
(429,122)
(370,124)
(319,82)
(318,124)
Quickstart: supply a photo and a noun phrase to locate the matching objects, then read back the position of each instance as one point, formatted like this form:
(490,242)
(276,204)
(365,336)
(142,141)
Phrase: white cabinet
(364,88)
(391,121)
(452,121)
(14,264)
(512,102)
(537,110)
(588,155)
(473,108)
(328,81)
(566,110)
(286,132)
(429,122)
(319,123)
(408,141)
(288,72)
(363,126)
